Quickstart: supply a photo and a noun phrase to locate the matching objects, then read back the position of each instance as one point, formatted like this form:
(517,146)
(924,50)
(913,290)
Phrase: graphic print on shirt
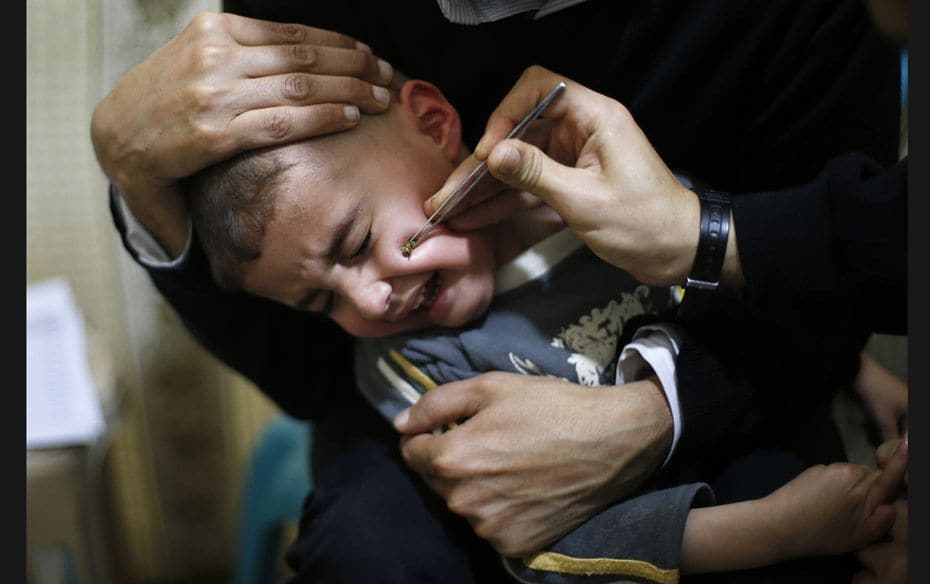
(592,341)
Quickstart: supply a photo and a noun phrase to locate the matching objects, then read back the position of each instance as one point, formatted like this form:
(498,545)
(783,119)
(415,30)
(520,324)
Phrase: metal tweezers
(475,176)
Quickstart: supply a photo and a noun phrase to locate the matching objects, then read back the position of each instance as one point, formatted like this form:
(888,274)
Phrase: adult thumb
(526,167)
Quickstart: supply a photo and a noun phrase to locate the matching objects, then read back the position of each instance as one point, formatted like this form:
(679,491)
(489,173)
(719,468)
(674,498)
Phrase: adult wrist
(712,239)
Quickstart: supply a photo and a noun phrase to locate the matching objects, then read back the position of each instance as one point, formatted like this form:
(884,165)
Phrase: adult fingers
(494,210)
(422,453)
(278,125)
(308,89)
(441,406)
(255,32)
(537,134)
(526,167)
(276,59)
(532,86)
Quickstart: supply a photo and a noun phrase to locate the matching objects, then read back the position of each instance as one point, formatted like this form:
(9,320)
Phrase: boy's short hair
(231,203)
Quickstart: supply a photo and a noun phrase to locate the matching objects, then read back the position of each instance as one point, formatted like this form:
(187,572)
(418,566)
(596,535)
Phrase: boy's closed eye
(364,247)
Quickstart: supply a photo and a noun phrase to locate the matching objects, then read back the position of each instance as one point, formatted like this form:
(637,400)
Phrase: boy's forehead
(313,201)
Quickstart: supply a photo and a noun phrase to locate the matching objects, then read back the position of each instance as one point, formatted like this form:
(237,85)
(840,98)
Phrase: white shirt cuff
(655,348)
(147,248)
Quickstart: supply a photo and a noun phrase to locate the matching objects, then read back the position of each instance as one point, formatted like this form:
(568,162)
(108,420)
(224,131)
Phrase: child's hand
(837,508)
(886,561)
(884,397)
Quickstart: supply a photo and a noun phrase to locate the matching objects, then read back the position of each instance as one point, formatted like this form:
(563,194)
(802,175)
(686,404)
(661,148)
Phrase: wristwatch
(712,243)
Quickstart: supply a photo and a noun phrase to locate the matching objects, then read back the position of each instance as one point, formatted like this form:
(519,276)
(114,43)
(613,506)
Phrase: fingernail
(385,69)
(430,206)
(362,46)
(507,158)
(400,421)
(480,145)
(381,94)
(351,113)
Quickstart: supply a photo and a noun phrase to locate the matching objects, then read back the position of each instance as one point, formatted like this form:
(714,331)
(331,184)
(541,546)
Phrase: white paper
(62,406)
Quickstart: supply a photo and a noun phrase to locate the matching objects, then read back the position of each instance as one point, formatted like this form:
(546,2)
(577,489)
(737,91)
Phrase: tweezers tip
(407,248)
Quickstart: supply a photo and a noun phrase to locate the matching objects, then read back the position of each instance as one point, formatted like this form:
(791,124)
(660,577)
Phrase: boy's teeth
(420,298)
(428,289)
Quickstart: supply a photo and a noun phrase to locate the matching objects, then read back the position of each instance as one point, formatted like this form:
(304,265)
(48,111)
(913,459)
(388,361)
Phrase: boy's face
(342,212)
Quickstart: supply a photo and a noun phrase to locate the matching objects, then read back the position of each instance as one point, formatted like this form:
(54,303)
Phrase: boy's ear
(426,107)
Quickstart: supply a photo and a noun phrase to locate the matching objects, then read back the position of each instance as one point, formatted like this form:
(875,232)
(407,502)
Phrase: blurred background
(158,496)
(164,485)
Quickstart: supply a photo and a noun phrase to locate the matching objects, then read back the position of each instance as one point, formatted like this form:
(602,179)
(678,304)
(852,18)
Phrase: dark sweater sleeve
(744,372)
(838,243)
(301,361)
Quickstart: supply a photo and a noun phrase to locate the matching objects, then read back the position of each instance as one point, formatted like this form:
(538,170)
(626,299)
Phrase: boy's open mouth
(427,294)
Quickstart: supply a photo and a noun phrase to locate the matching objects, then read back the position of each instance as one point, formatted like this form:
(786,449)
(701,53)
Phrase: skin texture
(371,287)
(536,456)
(542,455)
(885,561)
(597,170)
(823,511)
(223,85)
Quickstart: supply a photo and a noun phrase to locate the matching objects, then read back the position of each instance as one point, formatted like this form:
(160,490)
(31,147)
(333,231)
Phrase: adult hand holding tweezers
(597,170)
(841,234)
(223,85)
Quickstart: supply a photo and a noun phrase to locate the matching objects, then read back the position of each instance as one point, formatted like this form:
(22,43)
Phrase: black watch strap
(712,244)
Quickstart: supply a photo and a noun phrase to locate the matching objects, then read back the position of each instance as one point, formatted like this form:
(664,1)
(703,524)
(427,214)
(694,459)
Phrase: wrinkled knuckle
(209,57)
(364,64)
(291,31)
(357,87)
(201,97)
(531,172)
(303,54)
(297,87)
(279,125)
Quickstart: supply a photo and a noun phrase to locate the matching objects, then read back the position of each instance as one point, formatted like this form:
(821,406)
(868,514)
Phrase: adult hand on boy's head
(223,85)
(536,456)
(601,174)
